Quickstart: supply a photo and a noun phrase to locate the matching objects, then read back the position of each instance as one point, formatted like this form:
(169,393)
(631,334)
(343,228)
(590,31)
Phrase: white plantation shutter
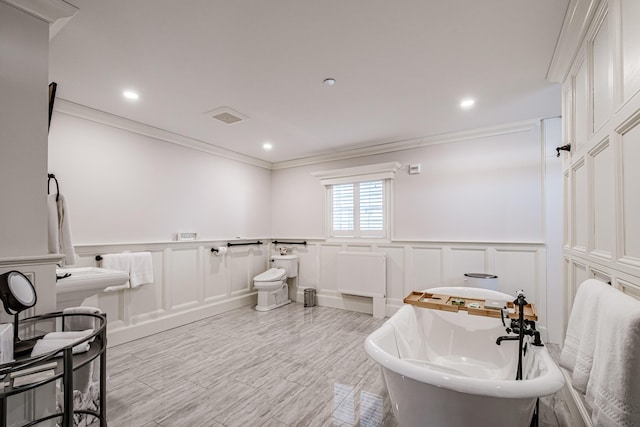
(357,209)
(359,201)
(371,206)
(343,202)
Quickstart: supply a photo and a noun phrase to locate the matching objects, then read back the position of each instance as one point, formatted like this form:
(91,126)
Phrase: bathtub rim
(549,382)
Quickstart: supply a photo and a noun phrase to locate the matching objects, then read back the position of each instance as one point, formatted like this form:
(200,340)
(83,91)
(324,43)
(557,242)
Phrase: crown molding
(46,10)
(521,126)
(574,28)
(88,113)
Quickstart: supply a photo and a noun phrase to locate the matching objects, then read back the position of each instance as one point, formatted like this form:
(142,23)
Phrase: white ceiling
(401,68)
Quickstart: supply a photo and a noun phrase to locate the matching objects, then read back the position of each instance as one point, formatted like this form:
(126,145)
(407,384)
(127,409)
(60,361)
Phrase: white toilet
(271,285)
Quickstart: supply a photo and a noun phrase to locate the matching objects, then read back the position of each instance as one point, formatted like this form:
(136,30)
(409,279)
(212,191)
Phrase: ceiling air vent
(227,115)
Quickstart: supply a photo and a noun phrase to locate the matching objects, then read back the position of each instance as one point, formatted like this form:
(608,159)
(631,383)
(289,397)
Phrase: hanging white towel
(141,269)
(580,340)
(121,262)
(60,241)
(52,219)
(66,242)
(614,383)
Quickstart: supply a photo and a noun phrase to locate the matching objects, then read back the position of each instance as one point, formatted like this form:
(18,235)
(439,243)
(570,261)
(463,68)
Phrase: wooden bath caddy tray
(455,304)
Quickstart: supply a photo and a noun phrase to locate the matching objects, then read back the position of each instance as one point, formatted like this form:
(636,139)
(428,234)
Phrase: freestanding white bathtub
(445,369)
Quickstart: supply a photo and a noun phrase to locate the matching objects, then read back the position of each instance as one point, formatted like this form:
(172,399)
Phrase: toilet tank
(288,262)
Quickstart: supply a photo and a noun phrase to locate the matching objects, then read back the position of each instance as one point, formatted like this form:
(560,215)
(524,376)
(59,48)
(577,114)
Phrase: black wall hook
(563,148)
(53,177)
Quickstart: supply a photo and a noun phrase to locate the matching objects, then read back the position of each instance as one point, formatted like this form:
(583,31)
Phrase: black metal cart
(62,363)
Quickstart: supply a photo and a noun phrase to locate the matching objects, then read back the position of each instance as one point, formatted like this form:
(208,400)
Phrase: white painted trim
(84,112)
(505,129)
(580,414)
(88,113)
(358,173)
(117,336)
(45,10)
(31,260)
(576,23)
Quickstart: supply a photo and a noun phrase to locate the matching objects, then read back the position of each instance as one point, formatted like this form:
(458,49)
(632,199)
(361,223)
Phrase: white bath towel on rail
(601,347)
(141,272)
(362,273)
(580,340)
(120,262)
(614,383)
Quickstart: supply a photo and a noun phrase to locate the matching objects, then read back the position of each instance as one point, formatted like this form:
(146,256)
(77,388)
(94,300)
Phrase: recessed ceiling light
(329,82)
(467,103)
(267,146)
(129,94)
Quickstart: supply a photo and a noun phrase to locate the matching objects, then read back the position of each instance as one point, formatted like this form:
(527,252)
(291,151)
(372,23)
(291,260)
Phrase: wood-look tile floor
(293,366)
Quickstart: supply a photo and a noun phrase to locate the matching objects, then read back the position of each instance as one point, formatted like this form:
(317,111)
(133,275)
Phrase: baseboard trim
(125,333)
(578,410)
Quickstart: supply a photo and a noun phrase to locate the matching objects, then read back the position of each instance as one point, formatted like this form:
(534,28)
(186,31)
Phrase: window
(358,201)
(358,209)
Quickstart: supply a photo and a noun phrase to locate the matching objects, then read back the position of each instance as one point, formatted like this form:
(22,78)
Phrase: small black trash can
(309,297)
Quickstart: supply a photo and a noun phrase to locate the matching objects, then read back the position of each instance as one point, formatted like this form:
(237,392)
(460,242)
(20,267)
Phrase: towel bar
(258,242)
(276,242)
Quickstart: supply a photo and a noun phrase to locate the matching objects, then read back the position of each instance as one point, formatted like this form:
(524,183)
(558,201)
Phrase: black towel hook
(50,177)
(563,148)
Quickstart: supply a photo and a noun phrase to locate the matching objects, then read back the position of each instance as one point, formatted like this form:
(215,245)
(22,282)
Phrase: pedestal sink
(84,282)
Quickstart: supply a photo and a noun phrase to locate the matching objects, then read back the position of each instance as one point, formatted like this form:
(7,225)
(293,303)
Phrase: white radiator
(362,273)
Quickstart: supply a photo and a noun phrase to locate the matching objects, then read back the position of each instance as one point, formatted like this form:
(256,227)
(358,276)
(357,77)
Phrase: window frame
(384,172)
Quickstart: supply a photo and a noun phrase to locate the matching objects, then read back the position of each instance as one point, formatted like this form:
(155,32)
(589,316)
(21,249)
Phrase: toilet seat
(271,275)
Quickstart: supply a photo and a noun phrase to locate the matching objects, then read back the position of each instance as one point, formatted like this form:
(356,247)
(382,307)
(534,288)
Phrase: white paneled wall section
(601,104)
(190,283)
(419,265)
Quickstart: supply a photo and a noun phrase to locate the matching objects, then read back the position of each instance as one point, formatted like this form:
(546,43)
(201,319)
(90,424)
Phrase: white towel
(80,323)
(66,242)
(52,219)
(59,229)
(141,269)
(614,384)
(69,335)
(48,346)
(580,340)
(121,262)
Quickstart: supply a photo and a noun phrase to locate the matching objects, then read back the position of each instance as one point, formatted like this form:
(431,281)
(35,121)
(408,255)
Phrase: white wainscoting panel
(602,69)
(421,265)
(580,207)
(426,268)
(395,257)
(603,200)
(190,283)
(216,278)
(580,106)
(184,289)
(519,269)
(467,260)
(630,196)
(630,15)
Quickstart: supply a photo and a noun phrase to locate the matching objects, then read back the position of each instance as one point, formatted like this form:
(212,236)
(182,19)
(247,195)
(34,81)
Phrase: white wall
(130,192)
(123,187)
(482,189)
(24,57)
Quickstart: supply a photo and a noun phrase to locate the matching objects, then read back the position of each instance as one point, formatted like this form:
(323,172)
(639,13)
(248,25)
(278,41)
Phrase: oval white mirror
(22,289)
